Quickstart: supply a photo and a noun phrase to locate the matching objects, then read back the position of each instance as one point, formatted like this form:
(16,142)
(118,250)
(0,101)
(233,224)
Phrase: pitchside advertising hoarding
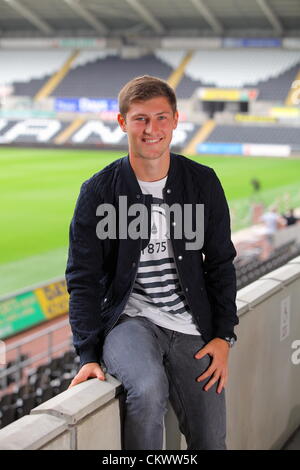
(227,94)
(254,150)
(85,105)
(285,112)
(251,42)
(30,308)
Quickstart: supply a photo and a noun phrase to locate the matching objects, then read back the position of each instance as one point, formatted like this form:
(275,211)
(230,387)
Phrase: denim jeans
(155,365)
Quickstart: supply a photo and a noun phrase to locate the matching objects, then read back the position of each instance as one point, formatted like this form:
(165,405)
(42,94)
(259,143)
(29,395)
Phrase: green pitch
(39,188)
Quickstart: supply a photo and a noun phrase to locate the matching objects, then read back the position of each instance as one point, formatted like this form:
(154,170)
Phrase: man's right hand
(91,369)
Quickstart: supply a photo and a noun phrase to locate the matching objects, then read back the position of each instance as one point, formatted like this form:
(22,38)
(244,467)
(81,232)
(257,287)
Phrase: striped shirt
(156,292)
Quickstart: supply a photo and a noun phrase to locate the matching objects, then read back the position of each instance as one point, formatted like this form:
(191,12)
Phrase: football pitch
(39,188)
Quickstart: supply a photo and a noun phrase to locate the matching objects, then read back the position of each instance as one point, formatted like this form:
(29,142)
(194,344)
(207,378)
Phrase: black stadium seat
(8,414)
(251,271)
(64,384)
(47,393)
(25,389)
(8,399)
(43,383)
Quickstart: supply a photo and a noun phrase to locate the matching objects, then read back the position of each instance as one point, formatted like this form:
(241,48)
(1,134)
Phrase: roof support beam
(30,16)
(211,19)
(87,16)
(146,16)
(271,16)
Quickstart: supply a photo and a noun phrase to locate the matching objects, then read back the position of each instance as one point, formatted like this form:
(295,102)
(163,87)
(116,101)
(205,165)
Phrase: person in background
(290,217)
(256,184)
(273,221)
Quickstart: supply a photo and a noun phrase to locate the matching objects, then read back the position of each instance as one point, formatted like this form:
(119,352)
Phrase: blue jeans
(155,364)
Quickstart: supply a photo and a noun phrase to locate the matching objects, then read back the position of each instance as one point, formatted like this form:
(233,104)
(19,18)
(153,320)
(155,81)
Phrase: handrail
(37,335)
(47,353)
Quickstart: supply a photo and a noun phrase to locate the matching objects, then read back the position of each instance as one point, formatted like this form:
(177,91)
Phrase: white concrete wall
(262,394)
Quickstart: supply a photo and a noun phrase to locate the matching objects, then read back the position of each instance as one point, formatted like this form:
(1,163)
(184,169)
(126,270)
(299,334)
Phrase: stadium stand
(276,88)
(271,72)
(250,268)
(250,133)
(14,376)
(39,63)
(97,73)
(43,382)
(101,78)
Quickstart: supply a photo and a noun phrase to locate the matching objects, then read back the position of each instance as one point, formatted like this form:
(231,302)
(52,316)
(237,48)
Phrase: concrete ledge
(258,291)
(285,274)
(31,432)
(242,307)
(81,400)
(295,261)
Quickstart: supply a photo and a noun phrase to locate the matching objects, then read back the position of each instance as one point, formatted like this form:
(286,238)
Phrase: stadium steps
(200,136)
(293,90)
(66,133)
(177,75)
(56,78)
(105,77)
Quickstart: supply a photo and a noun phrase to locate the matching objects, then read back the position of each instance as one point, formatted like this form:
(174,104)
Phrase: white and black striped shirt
(157,293)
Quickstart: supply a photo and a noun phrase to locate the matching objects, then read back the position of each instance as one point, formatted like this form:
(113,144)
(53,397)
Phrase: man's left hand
(219,349)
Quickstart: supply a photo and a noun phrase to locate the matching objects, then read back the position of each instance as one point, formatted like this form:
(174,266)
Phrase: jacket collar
(130,181)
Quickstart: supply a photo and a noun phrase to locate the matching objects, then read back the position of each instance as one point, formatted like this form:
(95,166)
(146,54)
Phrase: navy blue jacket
(100,273)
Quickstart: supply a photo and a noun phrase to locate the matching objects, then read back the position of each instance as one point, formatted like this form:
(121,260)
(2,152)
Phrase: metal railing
(16,370)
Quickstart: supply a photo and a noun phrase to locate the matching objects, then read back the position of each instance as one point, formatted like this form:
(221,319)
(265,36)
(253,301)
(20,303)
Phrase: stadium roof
(149,18)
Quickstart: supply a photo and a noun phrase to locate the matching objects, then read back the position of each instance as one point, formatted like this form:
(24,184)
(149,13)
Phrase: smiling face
(149,125)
